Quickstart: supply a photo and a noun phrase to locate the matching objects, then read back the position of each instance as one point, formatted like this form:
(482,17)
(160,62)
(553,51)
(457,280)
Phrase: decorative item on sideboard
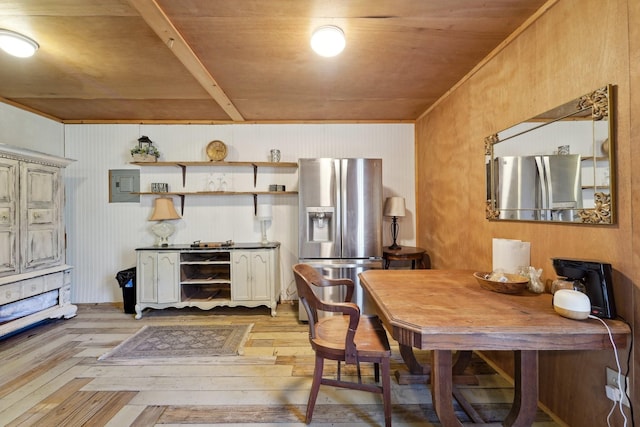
(163,213)
(264,215)
(145,151)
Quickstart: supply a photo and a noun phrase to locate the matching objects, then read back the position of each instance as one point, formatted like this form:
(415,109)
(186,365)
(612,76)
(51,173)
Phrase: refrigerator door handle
(547,178)
(337,196)
(544,186)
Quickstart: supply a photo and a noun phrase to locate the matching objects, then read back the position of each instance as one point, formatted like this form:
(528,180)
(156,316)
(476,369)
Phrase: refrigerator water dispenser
(320,224)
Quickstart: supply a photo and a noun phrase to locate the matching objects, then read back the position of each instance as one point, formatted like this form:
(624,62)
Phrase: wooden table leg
(443,390)
(417,372)
(463,358)
(442,387)
(525,400)
(462,361)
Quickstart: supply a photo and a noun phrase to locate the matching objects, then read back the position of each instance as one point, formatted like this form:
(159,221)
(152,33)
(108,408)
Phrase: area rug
(181,341)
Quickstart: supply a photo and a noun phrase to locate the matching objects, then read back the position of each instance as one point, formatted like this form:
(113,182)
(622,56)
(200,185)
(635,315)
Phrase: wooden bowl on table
(514,284)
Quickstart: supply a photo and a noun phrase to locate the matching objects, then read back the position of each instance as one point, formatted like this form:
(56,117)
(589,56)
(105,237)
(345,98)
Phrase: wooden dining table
(446,311)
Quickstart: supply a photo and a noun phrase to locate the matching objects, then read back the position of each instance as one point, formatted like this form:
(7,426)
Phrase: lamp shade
(394,206)
(163,209)
(263,212)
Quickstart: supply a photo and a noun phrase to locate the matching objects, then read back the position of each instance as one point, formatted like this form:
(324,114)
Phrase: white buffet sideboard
(242,274)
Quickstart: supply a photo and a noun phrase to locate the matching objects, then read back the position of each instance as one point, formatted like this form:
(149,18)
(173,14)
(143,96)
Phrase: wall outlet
(612,380)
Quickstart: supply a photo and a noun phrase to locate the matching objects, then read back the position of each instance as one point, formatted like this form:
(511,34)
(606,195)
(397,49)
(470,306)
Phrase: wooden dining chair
(346,337)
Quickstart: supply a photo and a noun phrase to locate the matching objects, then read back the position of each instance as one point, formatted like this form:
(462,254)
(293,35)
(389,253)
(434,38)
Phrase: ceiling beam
(160,23)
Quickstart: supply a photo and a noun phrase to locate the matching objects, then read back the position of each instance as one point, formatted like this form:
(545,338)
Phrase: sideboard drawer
(54,281)
(10,293)
(32,287)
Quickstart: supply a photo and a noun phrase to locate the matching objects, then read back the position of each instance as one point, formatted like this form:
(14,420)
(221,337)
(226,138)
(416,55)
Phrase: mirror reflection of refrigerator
(340,220)
(544,187)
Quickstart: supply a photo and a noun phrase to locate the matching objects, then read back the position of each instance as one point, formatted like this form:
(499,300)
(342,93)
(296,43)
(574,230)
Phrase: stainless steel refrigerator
(340,219)
(544,187)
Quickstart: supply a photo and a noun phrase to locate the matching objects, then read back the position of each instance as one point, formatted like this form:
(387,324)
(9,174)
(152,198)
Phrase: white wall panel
(27,130)
(102,237)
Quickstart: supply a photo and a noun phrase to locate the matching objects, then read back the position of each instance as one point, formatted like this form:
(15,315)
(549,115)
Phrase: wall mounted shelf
(184,165)
(183,194)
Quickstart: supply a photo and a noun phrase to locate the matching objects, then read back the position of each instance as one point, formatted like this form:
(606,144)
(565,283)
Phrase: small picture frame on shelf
(159,187)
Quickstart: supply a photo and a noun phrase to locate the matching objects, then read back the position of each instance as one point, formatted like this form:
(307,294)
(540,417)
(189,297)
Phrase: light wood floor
(50,376)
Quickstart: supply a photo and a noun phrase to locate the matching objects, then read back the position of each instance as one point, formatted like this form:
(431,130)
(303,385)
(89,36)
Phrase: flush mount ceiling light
(16,44)
(328,40)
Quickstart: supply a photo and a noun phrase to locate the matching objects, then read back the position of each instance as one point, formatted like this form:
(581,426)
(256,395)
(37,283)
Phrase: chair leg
(386,391)
(376,372)
(315,387)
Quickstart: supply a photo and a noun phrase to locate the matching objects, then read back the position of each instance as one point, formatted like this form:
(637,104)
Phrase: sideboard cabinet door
(263,280)
(252,275)
(241,276)
(158,277)
(146,277)
(168,277)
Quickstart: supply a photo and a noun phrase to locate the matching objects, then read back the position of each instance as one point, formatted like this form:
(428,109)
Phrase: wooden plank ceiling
(246,60)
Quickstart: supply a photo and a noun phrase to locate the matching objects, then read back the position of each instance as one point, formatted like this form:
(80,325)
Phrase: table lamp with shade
(264,214)
(394,207)
(163,213)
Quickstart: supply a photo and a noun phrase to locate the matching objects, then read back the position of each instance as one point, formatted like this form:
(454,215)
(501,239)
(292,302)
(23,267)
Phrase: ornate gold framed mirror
(556,167)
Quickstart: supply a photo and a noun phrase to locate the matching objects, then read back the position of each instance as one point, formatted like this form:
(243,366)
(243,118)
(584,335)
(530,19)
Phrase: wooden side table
(405,253)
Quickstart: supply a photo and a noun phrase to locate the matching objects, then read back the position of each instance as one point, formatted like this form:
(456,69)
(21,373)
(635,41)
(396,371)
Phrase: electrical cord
(620,390)
(613,408)
(626,374)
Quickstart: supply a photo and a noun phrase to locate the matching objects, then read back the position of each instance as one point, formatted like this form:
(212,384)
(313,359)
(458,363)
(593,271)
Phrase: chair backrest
(307,278)
(305,275)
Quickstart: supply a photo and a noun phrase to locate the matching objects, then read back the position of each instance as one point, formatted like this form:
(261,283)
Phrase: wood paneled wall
(573,47)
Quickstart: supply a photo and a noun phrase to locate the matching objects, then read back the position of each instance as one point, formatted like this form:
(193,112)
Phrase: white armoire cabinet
(35,282)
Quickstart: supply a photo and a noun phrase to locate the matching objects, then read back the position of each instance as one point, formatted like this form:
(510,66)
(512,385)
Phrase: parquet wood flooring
(50,376)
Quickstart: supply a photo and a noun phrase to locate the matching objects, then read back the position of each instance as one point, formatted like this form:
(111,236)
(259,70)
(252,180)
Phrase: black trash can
(127,281)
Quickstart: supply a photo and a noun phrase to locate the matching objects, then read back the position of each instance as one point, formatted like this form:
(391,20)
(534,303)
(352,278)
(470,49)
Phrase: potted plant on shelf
(145,151)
